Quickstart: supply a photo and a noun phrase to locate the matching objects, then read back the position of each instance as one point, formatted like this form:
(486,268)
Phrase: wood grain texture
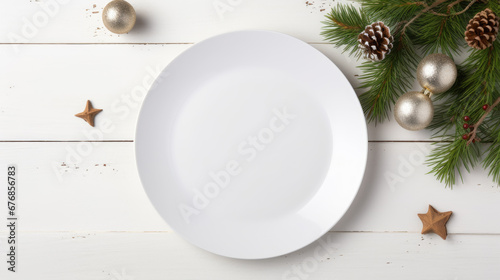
(72,21)
(43,86)
(95,187)
(127,256)
(83,212)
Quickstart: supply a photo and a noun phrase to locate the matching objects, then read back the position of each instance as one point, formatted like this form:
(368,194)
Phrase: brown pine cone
(482,30)
(376,41)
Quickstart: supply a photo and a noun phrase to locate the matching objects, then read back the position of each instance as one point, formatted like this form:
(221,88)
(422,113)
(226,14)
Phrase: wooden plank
(126,256)
(95,186)
(45,85)
(67,21)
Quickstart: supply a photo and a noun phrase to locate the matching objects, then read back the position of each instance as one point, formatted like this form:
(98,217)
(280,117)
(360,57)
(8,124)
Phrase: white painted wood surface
(73,21)
(164,255)
(58,79)
(83,213)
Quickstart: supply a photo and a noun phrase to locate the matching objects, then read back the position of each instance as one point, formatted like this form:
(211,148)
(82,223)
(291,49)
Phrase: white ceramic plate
(251,144)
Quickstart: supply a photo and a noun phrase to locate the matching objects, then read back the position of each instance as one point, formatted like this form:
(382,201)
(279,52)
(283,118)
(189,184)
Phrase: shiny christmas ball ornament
(437,73)
(119,16)
(414,110)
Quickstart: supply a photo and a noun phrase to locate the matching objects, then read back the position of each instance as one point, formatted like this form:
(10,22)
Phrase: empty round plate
(251,144)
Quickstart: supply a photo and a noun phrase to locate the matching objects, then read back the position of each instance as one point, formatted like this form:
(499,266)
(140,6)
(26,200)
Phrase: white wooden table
(83,213)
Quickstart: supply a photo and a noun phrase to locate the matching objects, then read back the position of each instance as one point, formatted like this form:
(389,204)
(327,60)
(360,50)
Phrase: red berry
(473,140)
(466,126)
(465,136)
(466,118)
(485,107)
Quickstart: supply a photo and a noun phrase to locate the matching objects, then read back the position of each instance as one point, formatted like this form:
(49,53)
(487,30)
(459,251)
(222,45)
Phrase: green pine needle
(392,12)
(386,80)
(492,159)
(439,30)
(448,159)
(440,34)
(343,25)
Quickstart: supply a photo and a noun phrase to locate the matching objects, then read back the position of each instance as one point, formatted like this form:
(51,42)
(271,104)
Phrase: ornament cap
(427,92)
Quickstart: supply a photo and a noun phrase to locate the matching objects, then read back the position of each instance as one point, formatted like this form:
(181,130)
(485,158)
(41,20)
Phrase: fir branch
(483,69)
(392,12)
(447,109)
(462,11)
(448,159)
(448,13)
(450,6)
(387,79)
(432,26)
(494,6)
(477,79)
(492,160)
(455,3)
(441,29)
(480,77)
(426,9)
(343,25)
(473,134)
(490,128)
(440,34)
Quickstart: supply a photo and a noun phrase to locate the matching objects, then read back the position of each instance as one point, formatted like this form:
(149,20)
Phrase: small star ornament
(435,221)
(89,113)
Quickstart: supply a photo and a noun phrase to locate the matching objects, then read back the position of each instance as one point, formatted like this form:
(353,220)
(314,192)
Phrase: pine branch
(387,79)
(392,12)
(432,26)
(448,159)
(384,80)
(492,160)
(473,134)
(450,6)
(478,84)
(447,110)
(440,34)
(342,26)
(425,10)
(490,129)
(483,69)
(477,79)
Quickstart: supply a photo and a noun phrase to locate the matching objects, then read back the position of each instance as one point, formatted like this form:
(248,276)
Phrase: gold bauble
(414,110)
(119,16)
(437,73)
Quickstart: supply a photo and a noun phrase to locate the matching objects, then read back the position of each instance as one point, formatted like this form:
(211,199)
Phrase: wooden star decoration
(89,113)
(435,221)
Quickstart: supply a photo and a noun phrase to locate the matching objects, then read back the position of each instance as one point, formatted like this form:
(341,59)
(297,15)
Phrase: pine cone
(482,30)
(376,41)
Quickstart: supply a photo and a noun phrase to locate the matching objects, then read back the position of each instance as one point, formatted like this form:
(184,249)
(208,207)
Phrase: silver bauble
(119,16)
(414,110)
(437,73)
